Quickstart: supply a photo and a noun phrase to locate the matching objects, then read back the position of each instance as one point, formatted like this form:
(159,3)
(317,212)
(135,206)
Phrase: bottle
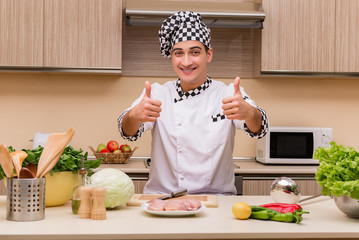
(76,201)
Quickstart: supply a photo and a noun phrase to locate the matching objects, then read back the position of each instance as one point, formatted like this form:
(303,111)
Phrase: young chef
(194,118)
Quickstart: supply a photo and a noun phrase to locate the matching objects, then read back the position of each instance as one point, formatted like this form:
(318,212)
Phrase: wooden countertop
(325,221)
(244,167)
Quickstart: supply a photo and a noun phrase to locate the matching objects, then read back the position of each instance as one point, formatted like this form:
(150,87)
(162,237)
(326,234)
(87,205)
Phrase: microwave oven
(292,145)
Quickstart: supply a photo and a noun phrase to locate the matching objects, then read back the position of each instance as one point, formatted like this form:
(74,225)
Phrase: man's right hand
(148,110)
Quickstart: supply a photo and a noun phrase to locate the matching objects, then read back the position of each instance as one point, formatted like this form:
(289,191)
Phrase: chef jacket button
(182,177)
(180,151)
(179,124)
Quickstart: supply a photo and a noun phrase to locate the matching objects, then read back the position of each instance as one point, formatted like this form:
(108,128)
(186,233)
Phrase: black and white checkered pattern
(183,26)
(264,127)
(129,138)
(218,117)
(193,92)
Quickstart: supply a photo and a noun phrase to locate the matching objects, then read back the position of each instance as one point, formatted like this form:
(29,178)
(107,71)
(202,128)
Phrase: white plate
(144,206)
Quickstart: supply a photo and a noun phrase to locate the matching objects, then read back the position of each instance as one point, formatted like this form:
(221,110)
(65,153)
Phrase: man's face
(189,61)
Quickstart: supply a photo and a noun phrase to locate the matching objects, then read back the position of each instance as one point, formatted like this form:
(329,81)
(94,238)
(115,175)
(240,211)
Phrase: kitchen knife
(174,194)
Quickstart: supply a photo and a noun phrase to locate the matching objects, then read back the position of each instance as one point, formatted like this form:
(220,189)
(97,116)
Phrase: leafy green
(338,171)
(70,160)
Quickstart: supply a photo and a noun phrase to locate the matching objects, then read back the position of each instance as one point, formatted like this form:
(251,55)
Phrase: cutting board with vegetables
(207,200)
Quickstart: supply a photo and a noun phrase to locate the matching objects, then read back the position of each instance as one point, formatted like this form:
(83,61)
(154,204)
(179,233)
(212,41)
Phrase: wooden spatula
(54,147)
(18,158)
(6,162)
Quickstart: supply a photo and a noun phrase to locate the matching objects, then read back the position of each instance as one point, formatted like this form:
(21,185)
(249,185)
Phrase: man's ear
(209,55)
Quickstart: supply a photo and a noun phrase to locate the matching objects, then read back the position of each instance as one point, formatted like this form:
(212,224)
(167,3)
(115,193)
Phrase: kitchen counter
(242,167)
(325,221)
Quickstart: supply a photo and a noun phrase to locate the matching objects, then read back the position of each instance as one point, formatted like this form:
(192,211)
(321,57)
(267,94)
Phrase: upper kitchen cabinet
(347,36)
(21,33)
(61,35)
(298,36)
(83,34)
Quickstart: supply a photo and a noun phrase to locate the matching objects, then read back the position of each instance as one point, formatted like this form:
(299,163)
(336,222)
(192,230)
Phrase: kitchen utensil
(32,167)
(18,158)
(25,199)
(48,151)
(98,210)
(309,198)
(26,173)
(207,200)
(285,190)
(6,161)
(347,205)
(174,194)
(52,151)
(85,205)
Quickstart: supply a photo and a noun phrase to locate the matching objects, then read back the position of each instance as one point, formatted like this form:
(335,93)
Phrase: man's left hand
(235,107)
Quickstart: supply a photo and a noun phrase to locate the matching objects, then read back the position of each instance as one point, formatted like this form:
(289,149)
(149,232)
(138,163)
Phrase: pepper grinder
(98,211)
(85,205)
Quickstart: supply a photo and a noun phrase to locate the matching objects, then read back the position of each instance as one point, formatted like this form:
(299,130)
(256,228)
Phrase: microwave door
(291,145)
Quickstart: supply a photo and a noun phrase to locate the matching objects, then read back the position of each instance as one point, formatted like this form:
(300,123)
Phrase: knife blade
(174,194)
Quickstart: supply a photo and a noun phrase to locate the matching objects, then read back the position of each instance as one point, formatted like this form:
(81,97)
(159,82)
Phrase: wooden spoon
(18,158)
(6,162)
(54,151)
(26,173)
(32,167)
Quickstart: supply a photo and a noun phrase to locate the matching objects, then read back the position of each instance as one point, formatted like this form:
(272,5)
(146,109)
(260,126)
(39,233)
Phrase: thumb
(148,89)
(236,86)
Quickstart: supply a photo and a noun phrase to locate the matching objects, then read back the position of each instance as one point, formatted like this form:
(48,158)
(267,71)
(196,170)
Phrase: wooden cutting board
(207,200)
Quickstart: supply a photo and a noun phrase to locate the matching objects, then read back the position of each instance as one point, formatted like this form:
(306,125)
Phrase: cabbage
(119,186)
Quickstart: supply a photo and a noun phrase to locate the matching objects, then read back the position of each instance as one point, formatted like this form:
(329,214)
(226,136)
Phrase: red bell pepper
(282,207)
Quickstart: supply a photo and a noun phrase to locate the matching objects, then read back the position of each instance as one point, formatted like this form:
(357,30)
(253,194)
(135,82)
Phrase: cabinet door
(347,36)
(298,35)
(82,33)
(254,186)
(21,32)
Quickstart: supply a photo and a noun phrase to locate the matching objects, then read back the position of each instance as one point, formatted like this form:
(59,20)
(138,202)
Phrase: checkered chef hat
(183,26)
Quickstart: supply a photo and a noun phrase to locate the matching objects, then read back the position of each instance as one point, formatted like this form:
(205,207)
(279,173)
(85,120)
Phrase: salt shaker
(85,205)
(98,211)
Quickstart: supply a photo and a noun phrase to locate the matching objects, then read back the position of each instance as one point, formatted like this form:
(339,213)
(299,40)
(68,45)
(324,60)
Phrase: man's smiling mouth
(188,70)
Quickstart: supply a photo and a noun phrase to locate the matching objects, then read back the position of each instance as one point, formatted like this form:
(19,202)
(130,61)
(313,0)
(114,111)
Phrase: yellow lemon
(241,210)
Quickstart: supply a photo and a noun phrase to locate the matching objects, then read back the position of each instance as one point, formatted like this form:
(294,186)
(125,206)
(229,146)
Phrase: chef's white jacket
(192,141)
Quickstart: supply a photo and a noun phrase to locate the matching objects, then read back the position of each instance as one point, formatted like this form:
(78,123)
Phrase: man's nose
(187,60)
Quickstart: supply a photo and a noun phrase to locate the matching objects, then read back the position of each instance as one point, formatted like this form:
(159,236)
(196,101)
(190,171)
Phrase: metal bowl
(285,190)
(347,205)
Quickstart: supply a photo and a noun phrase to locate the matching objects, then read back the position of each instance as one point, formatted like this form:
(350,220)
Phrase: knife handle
(178,193)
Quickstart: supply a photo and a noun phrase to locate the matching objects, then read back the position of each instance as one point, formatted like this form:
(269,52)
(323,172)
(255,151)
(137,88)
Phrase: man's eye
(196,52)
(178,53)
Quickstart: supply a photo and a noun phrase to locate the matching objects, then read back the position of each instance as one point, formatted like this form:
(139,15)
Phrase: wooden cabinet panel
(21,33)
(298,35)
(347,36)
(139,185)
(82,33)
(2,187)
(307,187)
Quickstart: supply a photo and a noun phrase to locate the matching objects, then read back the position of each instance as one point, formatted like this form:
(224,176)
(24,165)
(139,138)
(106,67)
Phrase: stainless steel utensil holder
(25,199)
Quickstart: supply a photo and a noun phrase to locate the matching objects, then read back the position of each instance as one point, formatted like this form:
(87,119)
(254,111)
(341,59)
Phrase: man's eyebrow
(194,47)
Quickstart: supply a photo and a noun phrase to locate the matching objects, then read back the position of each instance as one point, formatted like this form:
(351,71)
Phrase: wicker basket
(113,157)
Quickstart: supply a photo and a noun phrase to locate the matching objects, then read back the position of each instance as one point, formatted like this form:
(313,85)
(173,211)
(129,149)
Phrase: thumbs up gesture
(235,107)
(148,110)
